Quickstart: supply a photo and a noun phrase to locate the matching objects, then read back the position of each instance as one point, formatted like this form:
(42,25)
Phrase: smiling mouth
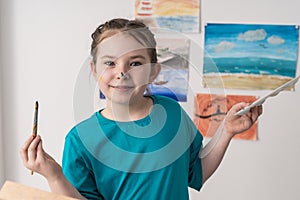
(121,87)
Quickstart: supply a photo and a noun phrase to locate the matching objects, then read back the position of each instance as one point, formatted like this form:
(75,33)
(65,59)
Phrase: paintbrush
(35,123)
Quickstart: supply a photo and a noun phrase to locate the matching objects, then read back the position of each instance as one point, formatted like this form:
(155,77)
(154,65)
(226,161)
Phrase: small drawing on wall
(172,81)
(176,15)
(249,56)
(211,109)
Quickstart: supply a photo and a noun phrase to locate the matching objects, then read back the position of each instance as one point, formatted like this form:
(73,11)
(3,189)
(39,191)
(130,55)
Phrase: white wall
(1,134)
(1,137)
(44,44)
(2,178)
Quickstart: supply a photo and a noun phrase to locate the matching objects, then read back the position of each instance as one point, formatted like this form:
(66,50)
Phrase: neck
(132,111)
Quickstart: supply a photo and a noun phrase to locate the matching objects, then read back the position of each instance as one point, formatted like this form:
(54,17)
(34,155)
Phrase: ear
(94,70)
(154,72)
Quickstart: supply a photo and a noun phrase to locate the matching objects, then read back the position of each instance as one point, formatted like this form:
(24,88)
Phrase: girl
(139,146)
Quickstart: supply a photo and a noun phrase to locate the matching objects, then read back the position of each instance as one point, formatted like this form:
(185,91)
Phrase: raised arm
(36,159)
(213,153)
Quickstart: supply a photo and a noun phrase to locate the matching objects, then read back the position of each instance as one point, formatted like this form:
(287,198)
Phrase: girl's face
(123,69)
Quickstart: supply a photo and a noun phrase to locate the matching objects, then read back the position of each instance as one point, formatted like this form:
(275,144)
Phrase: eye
(109,63)
(135,64)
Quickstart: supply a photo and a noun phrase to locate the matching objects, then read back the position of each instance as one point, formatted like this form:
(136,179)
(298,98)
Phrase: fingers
(255,112)
(23,150)
(32,149)
(260,110)
(235,108)
(240,106)
(29,150)
(40,151)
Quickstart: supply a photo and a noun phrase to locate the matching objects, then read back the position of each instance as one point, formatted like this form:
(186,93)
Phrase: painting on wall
(172,81)
(175,15)
(211,109)
(249,56)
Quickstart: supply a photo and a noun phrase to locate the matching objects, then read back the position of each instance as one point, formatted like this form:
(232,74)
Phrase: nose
(122,69)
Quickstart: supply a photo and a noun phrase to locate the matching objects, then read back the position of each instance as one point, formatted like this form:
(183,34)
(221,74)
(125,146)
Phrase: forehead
(119,44)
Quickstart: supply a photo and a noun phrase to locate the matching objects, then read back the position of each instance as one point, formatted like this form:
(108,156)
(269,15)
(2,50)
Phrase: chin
(122,98)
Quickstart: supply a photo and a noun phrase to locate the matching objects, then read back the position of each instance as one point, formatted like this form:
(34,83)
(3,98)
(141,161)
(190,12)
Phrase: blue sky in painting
(248,40)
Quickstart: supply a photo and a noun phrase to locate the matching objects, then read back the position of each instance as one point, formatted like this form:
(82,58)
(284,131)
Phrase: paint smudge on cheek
(104,77)
(101,79)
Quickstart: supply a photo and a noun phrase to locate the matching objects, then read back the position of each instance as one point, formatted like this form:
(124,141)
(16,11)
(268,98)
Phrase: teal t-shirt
(156,157)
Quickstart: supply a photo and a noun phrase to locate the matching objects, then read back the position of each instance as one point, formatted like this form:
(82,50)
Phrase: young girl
(139,146)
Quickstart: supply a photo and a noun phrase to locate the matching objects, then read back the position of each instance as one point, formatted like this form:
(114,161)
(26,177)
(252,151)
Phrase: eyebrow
(131,57)
(138,56)
(107,56)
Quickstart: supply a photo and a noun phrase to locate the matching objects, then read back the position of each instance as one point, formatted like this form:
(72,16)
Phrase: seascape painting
(249,56)
(172,81)
(175,15)
(211,109)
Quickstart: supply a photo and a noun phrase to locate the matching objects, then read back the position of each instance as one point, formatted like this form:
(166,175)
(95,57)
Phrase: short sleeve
(75,168)
(195,165)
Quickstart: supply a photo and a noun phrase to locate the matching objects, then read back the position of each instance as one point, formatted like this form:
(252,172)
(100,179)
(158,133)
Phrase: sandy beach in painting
(244,81)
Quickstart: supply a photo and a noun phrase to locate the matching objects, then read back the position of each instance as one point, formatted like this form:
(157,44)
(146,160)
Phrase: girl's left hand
(235,124)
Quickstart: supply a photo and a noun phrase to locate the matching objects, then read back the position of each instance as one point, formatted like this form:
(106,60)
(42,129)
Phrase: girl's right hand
(36,159)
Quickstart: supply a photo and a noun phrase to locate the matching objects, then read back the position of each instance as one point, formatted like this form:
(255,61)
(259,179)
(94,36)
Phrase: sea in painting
(244,56)
(172,83)
(179,23)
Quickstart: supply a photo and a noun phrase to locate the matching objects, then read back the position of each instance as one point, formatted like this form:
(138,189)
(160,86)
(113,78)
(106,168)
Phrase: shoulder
(158,99)
(83,125)
(172,108)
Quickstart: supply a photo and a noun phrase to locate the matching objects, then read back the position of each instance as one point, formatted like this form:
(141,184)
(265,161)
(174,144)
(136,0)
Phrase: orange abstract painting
(210,110)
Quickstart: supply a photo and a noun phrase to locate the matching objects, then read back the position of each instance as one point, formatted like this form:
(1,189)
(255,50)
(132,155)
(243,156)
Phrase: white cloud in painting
(253,35)
(224,46)
(275,40)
